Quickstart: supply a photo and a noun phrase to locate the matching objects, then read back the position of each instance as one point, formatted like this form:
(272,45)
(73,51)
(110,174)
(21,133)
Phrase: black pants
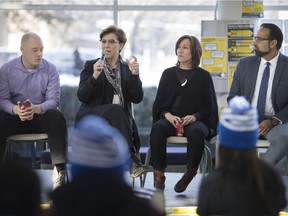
(51,122)
(117,116)
(195,133)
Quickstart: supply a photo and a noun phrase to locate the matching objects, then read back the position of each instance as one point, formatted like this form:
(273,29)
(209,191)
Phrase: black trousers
(51,122)
(195,133)
(117,116)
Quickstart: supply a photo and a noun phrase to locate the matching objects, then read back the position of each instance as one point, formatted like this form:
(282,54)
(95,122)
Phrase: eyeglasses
(259,39)
(110,42)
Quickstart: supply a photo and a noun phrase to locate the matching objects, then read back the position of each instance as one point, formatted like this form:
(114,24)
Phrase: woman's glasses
(109,42)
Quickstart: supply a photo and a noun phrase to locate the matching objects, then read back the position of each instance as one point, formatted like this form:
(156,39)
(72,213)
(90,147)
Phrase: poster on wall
(214,57)
(240,37)
(252,9)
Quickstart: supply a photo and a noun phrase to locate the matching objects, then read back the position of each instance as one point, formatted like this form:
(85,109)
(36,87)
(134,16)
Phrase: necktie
(263,92)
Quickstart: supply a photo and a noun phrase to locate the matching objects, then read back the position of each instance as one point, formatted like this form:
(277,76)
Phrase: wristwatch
(275,121)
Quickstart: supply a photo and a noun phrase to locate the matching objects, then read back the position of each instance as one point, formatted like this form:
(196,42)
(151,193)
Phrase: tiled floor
(172,199)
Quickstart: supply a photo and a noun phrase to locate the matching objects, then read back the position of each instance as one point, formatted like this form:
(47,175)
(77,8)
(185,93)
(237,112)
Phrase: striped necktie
(263,92)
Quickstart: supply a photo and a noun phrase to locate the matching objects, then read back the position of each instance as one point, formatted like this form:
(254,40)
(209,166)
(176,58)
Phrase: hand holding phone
(25,104)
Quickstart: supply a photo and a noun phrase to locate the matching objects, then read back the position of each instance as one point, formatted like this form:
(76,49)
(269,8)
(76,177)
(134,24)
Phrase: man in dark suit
(247,80)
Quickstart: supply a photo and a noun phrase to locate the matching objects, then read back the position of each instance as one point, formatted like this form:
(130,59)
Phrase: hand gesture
(133,65)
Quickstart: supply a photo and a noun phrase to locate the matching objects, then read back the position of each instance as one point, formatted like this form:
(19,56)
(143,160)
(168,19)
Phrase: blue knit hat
(96,146)
(238,125)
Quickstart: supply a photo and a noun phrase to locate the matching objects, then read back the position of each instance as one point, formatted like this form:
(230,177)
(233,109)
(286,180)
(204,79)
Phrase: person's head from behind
(97,148)
(188,50)
(237,132)
(31,49)
(268,39)
(20,192)
(113,40)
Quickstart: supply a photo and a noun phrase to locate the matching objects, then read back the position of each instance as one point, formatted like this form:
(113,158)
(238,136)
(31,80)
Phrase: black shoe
(136,168)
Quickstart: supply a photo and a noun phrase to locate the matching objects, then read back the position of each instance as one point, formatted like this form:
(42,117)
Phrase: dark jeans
(195,133)
(51,122)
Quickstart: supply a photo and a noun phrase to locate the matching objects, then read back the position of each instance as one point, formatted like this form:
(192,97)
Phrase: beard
(259,53)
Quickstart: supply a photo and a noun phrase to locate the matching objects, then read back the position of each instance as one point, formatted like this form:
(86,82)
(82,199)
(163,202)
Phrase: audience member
(186,98)
(270,97)
(29,97)
(242,184)
(99,155)
(20,190)
(108,87)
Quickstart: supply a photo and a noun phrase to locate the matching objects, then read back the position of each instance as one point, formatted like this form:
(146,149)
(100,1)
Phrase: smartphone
(25,104)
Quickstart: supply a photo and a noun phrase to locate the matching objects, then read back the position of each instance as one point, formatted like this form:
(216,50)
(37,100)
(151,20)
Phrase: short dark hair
(195,47)
(275,33)
(120,34)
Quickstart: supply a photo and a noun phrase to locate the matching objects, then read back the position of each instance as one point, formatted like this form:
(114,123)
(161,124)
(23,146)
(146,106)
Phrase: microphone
(103,56)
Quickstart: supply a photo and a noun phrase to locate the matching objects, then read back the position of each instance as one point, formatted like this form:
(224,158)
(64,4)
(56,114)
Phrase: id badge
(116,99)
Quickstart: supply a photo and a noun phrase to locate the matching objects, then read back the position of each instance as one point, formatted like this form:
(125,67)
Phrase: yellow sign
(191,211)
(214,54)
(252,9)
(177,211)
(240,38)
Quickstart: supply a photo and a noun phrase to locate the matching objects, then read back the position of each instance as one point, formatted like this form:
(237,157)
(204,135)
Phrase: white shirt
(269,111)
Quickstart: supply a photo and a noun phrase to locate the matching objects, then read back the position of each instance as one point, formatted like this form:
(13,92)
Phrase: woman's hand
(174,120)
(188,119)
(133,65)
(98,68)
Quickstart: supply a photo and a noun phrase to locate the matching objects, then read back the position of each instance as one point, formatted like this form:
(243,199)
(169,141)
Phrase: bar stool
(34,138)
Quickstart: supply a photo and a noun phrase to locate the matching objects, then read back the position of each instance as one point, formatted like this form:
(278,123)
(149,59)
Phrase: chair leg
(141,181)
(147,162)
(133,182)
(204,162)
(33,154)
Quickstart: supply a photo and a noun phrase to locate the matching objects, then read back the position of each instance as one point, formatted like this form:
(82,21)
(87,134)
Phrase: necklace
(183,75)
(184,83)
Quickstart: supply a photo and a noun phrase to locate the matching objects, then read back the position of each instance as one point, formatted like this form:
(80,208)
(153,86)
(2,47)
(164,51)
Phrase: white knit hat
(238,126)
(96,146)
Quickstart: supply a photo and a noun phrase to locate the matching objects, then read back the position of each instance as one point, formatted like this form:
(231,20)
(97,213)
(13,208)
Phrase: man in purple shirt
(33,80)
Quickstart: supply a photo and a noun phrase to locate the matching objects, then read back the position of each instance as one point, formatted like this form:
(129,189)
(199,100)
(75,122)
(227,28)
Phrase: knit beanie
(238,125)
(97,147)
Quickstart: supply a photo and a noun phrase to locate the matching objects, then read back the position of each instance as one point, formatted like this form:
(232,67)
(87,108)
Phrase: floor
(172,199)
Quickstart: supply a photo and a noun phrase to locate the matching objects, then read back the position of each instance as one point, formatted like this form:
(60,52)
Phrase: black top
(197,96)
(93,92)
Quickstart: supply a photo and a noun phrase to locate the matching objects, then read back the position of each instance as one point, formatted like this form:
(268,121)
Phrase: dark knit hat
(96,146)
(238,125)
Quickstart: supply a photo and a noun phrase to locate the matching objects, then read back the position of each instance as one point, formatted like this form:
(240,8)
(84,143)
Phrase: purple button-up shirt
(41,85)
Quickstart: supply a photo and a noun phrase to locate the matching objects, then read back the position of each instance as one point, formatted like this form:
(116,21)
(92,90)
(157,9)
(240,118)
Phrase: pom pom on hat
(96,146)
(238,125)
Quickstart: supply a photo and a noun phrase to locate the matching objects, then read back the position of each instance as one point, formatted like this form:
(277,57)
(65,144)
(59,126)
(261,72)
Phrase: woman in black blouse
(185,96)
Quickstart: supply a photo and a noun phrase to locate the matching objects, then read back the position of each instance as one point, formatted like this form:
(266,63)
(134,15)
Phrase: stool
(262,143)
(33,137)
